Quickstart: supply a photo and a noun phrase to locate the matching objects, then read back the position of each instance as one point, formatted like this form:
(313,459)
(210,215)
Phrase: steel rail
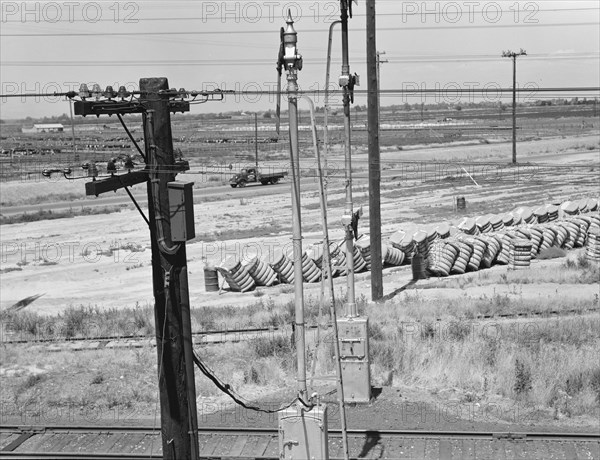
(107,429)
(499,315)
(26,432)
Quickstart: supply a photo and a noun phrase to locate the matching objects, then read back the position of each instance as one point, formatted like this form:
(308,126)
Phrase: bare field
(104,260)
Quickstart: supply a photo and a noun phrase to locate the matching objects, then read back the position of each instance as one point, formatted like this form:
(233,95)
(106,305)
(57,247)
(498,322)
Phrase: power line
(317,61)
(231,16)
(397,91)
(270,31)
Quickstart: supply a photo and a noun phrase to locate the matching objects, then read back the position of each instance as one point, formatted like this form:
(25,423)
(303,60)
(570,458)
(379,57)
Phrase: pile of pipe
(473,244)
(513,239)
(592,249)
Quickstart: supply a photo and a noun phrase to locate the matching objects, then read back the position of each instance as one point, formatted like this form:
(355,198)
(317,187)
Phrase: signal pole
(373,63)
(303,431)
(348,81)
(292,61)
(353,329)
(513,55)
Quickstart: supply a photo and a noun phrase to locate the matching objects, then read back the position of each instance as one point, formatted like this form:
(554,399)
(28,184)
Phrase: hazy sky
(54,46)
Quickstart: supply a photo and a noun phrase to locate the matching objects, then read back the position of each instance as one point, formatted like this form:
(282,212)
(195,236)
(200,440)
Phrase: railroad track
(237,335)
(106,442)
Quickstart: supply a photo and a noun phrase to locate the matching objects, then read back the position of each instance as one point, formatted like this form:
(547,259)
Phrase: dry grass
(437,344)
(42,214)
(531,361)
(575,269)
(40,190)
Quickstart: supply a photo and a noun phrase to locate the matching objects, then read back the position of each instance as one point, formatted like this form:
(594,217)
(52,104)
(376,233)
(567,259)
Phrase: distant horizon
(356,108)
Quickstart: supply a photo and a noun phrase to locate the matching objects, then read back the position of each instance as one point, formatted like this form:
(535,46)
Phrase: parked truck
(250,175)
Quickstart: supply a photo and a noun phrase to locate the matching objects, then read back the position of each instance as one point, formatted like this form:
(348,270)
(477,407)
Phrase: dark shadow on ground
(372,441)
(375,392)
(394,293)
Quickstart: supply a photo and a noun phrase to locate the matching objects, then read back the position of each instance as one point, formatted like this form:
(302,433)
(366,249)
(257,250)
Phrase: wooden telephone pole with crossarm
(171,223)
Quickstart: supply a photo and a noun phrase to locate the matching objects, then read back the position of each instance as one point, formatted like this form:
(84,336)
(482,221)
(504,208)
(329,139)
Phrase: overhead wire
(270,31)
(131,136)
(229,16)
(591,55)
(339,92)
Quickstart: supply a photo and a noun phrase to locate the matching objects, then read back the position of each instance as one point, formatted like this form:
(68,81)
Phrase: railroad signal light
(291,56)
(84,92)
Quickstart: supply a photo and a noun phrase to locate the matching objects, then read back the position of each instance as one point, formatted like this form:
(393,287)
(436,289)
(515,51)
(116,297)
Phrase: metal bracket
(113,107)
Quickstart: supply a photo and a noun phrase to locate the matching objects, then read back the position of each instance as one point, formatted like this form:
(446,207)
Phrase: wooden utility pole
(170,219)
(256,141)
(373,62)
(169,278)
(514,56)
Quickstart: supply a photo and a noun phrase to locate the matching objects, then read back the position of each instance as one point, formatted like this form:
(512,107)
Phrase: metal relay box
(303,433)
(181,211)
(353,335)
(356,376)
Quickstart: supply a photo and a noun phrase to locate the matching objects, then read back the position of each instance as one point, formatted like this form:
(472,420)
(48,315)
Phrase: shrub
(31,381)
(251,375)
(458,331)
(595,383)
(276,346)
(522,378)
(427,331)
(98,379)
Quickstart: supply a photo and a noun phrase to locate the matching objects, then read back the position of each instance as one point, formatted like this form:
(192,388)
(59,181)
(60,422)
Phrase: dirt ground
(104,260)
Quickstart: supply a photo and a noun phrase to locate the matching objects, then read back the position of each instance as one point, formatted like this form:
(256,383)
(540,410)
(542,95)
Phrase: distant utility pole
(373,62)
(379,62)
(513,55)
(256,140)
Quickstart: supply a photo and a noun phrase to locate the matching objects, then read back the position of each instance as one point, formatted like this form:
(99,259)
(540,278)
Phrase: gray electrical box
(303,433)
(353,335)
(181,211)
